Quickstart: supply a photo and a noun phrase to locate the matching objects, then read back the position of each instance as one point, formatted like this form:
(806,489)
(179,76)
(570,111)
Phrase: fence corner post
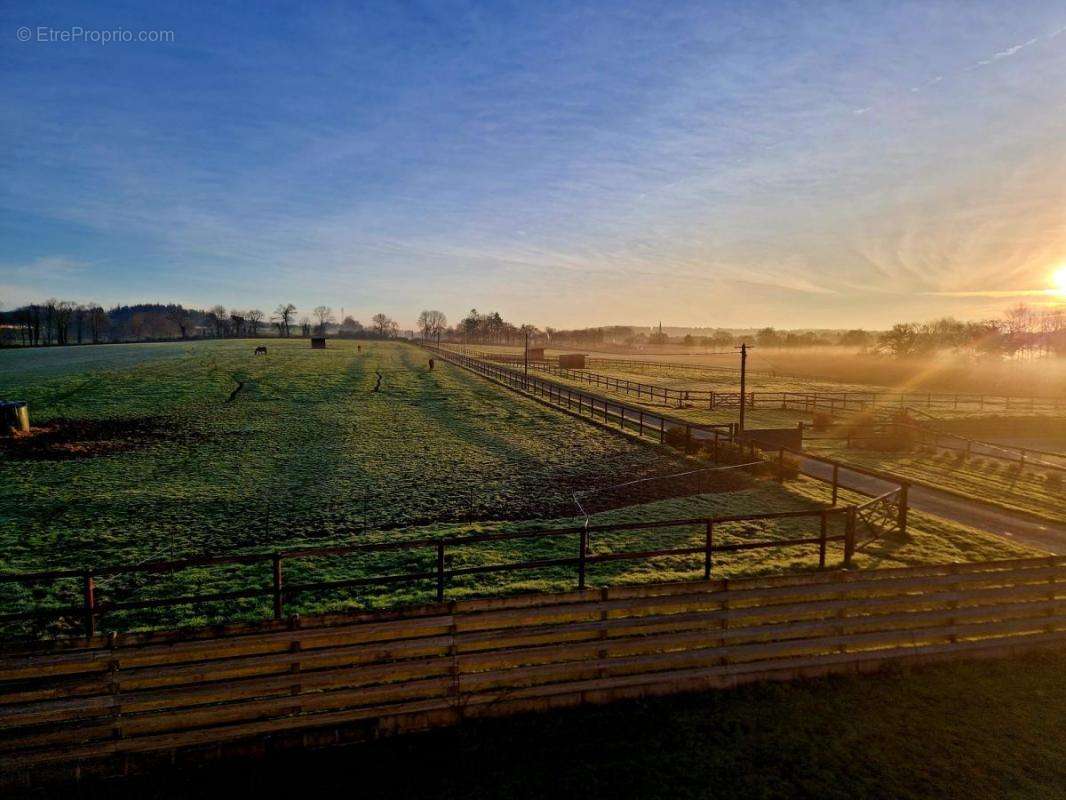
(904,490)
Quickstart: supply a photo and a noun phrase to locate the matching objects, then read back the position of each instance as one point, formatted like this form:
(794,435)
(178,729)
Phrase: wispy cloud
(984,62)
(54,266)
(689,165)
(994,293)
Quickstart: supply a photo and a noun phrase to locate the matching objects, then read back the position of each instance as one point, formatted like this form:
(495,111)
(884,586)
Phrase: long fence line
(121,703)
(685,434)
(93,608)
(806,401)
(894,430)
(594,406)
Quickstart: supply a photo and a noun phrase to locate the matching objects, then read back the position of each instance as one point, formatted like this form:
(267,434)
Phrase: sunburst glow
(1058,281)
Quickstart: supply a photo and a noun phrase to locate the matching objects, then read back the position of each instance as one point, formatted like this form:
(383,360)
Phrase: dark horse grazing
(261,350)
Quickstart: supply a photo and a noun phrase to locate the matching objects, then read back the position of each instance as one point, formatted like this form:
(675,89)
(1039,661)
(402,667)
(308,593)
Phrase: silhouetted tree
(284,314)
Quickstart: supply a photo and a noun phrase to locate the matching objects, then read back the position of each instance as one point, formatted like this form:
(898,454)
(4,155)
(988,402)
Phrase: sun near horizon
(1058,281)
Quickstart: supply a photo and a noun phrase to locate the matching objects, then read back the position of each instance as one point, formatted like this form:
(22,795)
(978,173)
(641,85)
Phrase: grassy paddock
(961,730)
(298,455)
(931,540)
(285,462)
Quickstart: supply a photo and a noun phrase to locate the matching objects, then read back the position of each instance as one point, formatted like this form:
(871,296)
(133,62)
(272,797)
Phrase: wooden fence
(659,423)
(902,436)
(594,406)
(120,703)
(832,402)
(567,548)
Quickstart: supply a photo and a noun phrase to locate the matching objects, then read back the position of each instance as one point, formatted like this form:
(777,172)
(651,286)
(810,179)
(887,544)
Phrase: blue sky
(794,164)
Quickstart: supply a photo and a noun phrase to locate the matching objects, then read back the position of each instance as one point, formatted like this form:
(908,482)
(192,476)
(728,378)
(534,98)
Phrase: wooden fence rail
(924,434)
(660,423)
(596,407)
(578,556)
(809,402)
(123,702)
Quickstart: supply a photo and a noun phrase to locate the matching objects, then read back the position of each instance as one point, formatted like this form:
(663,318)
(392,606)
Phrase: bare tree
(383,326)
(49,319)
(180,317)
(432,324)
(216,315)
(284,314)
(98,323)
(305,326)
(255,319)
(324,315)
(79,322)
(1018,327)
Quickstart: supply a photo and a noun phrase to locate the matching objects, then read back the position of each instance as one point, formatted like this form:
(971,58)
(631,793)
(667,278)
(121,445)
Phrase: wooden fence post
(904,488)
(821,540)
(440,571)
(708,547)
(279,598)
(849,536)
(582,551)
(89,594)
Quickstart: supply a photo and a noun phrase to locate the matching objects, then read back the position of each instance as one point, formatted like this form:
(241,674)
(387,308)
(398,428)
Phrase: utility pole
(525,359)
(743,381)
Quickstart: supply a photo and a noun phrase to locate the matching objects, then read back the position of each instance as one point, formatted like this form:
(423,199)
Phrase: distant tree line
(61,322)
(1022,332)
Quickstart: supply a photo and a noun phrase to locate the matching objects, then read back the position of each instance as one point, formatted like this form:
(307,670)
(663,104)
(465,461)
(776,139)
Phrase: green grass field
(953,731)
(289,459)
(143,456)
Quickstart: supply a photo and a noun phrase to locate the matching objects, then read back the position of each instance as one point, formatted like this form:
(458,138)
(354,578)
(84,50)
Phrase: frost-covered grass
(285,464)
(292,458)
